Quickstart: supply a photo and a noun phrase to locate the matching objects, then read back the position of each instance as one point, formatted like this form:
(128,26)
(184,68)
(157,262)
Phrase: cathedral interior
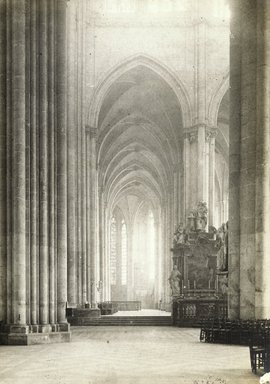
(135,190)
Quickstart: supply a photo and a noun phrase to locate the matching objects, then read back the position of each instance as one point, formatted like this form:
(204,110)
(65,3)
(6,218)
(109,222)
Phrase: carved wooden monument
(201,259)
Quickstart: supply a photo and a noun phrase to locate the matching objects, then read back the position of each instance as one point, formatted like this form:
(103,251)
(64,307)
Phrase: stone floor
(127,355)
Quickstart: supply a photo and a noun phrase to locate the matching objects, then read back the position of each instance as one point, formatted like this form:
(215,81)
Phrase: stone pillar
(72,148)
(18,47)
(92,217)
(28,100)
(249,223)
(157,260)
(234,163)
(79,208)
(200,148)
(248,160)
(43,166)
(187,175)
(84,265)
(107,278)
(34,176)
(191,169)
(211,176)
(201,164)
(262,266)
(3,165)
(130,280)
(199,168)
(118,251)
(176,206)
(27,162)
(61,121)
(51,160)
(101,245)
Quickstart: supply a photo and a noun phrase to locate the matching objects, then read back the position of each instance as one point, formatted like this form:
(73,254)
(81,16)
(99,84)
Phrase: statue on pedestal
(197,219)
(222,245)
(174,280)
(180,235)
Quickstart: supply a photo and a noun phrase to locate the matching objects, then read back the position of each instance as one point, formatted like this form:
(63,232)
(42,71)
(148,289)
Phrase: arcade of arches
(116,120)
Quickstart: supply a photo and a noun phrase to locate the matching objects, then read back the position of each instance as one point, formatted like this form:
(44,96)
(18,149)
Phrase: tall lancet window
(124,253)
(113,251)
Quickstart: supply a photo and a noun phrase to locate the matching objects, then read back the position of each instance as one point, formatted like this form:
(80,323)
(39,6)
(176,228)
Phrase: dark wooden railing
(191,312)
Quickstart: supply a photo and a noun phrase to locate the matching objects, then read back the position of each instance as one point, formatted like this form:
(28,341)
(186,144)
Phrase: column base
(35,334)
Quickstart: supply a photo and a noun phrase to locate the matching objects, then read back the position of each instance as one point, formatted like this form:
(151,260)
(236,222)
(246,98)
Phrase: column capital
(91,131)
(191,133)
(210,133)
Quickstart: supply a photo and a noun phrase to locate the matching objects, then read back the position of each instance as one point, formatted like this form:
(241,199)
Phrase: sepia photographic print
(134,191)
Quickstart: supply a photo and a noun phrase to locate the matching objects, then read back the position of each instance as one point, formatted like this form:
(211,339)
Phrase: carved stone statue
(174,280)
(180,235)
(198,217)
(222,245)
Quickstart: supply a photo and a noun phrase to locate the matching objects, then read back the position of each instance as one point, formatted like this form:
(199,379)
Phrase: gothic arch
(159,68)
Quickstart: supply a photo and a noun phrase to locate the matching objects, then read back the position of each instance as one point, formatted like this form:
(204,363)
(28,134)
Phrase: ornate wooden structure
(203,286)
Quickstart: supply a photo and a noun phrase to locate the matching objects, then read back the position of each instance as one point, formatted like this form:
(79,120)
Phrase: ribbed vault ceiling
(139,136)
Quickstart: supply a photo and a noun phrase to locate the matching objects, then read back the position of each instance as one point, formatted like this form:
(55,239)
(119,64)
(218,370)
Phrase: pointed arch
(159,68)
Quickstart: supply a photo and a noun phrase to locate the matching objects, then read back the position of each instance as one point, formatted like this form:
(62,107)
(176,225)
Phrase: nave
(127,355)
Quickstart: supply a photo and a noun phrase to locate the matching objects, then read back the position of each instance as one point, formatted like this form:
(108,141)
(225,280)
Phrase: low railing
(128,305)
(110,307)
(192,311)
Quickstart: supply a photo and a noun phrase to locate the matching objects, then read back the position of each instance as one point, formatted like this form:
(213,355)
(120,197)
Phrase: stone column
(157,260)
(118,251)
(43,165)
(248,159)
(107,283)
(201,164)
(52,162)
(130,281)
(191,144)
(61,121)
(9,157)
(34,196)
(262,266)
(101,245)
(249,223)
(18,149)
(27,161)
(187,174)
(234,163)
(3,165)
(73,149)
(211,176)
(199,168)
(84,265)
(93,230)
